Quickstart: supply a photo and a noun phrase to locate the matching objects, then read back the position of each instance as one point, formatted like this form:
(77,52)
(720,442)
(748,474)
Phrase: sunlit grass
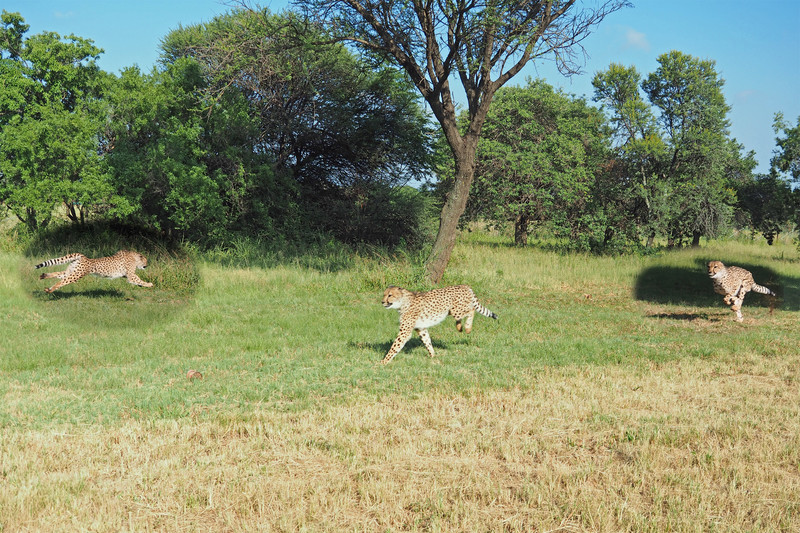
(598,401)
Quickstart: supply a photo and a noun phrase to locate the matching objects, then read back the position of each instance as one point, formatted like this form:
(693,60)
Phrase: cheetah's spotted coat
(122,264)
(421,310)
(734,283)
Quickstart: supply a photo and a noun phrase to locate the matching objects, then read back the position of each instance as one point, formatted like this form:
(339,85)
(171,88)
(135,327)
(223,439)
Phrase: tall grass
(599,401)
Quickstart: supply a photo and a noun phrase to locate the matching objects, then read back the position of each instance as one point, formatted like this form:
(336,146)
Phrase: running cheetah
(122,264)
(734,283)
(421,310)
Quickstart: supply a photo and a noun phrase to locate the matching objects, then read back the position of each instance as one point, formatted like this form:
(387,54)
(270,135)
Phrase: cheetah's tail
(59,260)
(762,290)
(482,310)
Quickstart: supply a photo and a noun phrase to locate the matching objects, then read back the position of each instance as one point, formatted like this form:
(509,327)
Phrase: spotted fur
(122,264)
(422,310)
(734,283)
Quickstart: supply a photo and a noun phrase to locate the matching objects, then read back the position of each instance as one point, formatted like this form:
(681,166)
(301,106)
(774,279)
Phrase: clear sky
(756,46)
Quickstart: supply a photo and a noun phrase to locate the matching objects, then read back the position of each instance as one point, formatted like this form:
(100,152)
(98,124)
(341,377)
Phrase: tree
(768,202)
(639,192)
(786,160)
(54,160)
(349,135)
(51,115)
(537,159)
(483,44)
(787,157)
(188,171)
(704,164)
(681,168)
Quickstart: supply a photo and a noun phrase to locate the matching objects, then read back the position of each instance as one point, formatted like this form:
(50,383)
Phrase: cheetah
(734,283)
(122,264)
(421,310)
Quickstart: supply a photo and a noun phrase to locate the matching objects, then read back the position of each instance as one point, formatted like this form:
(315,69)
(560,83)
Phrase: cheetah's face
(393,297)
(715,269)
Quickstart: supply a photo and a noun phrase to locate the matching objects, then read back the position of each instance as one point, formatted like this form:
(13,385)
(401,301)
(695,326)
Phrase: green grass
(597,353)
(292,337)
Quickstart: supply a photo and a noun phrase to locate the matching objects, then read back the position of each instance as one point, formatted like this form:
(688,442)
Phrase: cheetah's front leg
(397,345)
(136,280)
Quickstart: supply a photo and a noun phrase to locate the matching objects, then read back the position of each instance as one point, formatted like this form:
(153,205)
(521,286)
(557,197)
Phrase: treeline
(256,124)
(656,161)
(248,126)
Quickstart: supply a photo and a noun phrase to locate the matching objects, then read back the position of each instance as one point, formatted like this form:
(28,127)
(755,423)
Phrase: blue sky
(756,46)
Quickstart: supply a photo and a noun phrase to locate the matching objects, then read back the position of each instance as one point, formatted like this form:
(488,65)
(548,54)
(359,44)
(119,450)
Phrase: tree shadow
(691,286)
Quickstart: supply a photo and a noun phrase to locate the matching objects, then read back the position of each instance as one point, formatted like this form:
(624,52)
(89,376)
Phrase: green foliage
(768,203)
(51,161)
(347,134)
(250,128)
(11,34)
(539,158)
(681,170)
(182,170)
(256,128)
(50,120)
(704,163)
(618,89)
(487,44)
(786,161)
(787,157)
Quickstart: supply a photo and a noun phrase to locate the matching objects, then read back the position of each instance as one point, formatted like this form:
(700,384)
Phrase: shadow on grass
(691,286)
(414,344)
(686,316)
(91,293)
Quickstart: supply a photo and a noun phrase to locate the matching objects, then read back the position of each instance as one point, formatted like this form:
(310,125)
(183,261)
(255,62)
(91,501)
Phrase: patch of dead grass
(689,445)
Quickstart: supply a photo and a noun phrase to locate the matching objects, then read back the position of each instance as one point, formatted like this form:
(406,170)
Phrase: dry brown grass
(689,445)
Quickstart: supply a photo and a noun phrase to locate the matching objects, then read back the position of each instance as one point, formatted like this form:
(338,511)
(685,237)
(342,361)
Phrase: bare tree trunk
(453,208)
(521,229)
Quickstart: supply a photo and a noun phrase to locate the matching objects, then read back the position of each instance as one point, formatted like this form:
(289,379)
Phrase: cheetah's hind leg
(737,308)
(426,340)
(57,286)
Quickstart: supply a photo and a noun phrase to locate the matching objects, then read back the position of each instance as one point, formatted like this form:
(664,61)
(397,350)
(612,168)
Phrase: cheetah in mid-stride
(734,283)
(422,310)
(122,264)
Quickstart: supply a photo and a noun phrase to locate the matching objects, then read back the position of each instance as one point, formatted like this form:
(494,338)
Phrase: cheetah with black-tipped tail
(422,310)
(122,264)
(734,283)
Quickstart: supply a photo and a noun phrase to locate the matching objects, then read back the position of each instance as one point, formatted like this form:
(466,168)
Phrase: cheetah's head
(393,297)
(141,261)
(715,269)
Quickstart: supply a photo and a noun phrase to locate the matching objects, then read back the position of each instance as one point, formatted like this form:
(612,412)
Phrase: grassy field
(613,394)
